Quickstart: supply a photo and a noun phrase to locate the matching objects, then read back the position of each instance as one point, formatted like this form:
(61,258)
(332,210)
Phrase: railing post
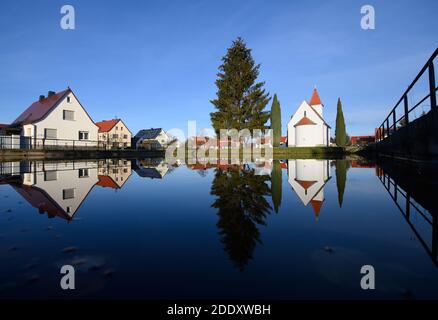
(405,100)
(432,86)
(394,119)
(387,125)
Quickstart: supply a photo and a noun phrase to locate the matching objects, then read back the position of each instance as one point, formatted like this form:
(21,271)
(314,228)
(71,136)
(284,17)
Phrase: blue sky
(154,63)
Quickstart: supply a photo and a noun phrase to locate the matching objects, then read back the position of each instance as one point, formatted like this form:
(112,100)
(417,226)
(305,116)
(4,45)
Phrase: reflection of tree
(276,185)
(341,177)
(242,206)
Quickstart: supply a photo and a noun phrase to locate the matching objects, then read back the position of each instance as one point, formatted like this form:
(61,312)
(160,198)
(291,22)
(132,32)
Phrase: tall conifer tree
(240,101)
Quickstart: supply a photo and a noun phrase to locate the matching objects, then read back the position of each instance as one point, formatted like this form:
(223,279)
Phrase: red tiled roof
(107,125)
(316,206)
(283,165)
(39,109)
(3,126)
(315,100)
(305,122)
(283,139)
(107,182)
(40,200)
(306,184)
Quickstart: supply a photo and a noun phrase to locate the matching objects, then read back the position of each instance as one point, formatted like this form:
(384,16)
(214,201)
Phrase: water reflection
(243,195)
(414,192)
(240,198)
(308,178)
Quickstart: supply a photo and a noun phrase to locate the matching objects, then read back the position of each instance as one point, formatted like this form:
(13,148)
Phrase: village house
(307,127)
(151,139)
(113,173)
(114,134)
(56,120)
(58,189)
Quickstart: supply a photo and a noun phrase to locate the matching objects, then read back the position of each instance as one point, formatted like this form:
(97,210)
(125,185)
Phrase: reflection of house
(113,173)
(151,139)
(307,127)
(57,119)
(151,168)
(58,189)
(114,134)
(308,178)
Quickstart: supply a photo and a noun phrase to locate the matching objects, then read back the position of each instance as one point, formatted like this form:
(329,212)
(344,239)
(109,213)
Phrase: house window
(68,194)
(83,173)
(68,99)
(68,210)
(125,136)
(50,133)
(68,115)
(50,176)
(115,136)
(117,128)
(83,135)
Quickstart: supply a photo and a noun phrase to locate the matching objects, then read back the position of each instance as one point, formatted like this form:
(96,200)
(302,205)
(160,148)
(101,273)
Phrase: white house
(114,134)
(307,127)
(58,189)
(154,138)
(58,119)
(308,178)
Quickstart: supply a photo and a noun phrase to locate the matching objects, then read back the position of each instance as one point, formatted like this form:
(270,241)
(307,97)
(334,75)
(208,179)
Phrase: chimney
(51,93)
(41,98)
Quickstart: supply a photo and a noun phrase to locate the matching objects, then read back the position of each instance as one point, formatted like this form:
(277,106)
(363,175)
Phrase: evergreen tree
(341,177)
(276,121)
(240,101)
(341,133)
(276,185)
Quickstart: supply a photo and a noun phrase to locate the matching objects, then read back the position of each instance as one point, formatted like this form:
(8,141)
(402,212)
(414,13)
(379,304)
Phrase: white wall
(307,135)
(68,129)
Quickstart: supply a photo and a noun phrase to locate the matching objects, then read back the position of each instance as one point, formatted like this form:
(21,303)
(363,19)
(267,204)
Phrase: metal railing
(399,115)
(16,142)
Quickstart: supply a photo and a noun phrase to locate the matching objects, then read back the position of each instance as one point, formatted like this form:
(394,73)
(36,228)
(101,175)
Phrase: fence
(394,121)
(16,142)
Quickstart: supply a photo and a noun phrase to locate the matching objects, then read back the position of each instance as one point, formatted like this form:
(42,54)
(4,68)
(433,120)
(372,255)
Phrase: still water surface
(277,229)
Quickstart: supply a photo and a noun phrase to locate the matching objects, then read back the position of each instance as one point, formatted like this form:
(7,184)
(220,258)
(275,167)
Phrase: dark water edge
(290,229)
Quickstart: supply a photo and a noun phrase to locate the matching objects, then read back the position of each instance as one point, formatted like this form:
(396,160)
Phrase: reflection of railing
(389,125)
(29,143)
(409,208)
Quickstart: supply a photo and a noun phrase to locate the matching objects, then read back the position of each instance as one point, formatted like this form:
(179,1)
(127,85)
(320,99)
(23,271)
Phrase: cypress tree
(240,101)
(276,185)
(340,133)
(341,178)
(276,121)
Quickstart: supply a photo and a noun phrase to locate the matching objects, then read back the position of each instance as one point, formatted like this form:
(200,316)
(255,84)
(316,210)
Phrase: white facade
(308,178)
(307,127)
(57,129)
(59,187)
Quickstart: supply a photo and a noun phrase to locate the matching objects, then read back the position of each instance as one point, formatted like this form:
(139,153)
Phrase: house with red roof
(114,134)
(56,119)
(307,127)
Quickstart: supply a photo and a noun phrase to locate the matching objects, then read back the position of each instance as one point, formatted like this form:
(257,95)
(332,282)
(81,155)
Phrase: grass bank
(310,152)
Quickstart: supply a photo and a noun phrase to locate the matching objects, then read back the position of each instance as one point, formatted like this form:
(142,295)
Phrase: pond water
(289,229)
